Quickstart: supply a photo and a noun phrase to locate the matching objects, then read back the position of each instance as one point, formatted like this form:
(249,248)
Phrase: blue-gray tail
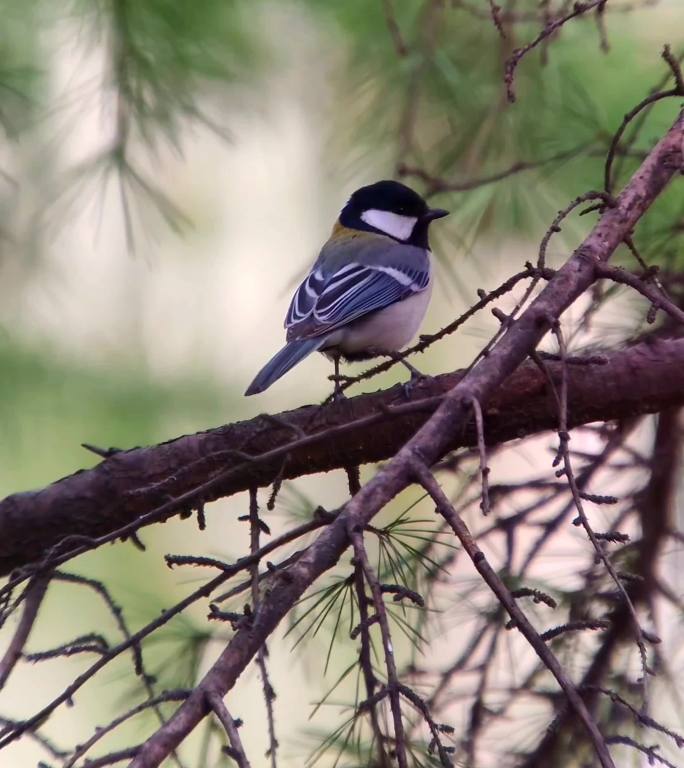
(291,354)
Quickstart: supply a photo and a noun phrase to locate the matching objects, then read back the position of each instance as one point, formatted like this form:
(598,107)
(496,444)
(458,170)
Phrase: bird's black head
(393,209)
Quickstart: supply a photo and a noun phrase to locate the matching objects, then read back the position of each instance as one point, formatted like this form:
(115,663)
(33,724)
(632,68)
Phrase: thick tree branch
(94,503)
(431,440)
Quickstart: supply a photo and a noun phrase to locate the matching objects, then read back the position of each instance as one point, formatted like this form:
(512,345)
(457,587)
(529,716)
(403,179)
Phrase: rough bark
(645,378)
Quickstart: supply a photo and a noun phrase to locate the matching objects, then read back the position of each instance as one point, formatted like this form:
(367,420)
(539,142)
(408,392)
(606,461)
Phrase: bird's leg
(338,393)
(416,375)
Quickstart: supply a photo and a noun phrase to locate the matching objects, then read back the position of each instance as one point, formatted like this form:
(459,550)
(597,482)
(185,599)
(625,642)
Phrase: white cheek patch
(392,224)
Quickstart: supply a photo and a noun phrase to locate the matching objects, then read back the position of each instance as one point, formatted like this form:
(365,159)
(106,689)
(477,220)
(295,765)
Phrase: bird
(367,292)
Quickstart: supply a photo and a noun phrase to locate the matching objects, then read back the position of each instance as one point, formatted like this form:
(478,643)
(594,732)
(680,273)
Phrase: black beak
(434,213)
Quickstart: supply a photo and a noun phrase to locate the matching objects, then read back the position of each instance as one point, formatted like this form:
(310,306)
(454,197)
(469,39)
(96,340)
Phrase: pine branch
(86,509)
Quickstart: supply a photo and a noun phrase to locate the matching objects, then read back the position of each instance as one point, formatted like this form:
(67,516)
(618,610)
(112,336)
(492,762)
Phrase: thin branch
(37,736)
(369,679)
(512,15)
(103,730)
(435,729)
(651,753)
(564,453)
(579,8)
(646,103)
(394,30)
(237,751)
(482,449)
(436,184)
(445,508)
(35,592)
(640,717)
(656,296)
(426,340)
(361,557)
(495,11)
(269,693)
(114,757)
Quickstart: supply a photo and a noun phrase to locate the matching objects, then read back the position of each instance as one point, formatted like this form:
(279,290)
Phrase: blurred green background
(168,171)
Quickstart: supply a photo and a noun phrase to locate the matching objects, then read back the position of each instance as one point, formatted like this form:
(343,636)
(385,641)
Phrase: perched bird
(368,290)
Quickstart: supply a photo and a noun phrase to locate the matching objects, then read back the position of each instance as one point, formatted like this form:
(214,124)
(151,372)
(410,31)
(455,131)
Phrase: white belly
(388,329)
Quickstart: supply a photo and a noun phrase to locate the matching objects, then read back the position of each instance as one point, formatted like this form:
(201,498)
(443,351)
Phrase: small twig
(117,612)
(651,752)
(103,453)
(201,518)
(674,64)
(516,57)
(37,736)
(237,752)
(435,729)
(353,479)
(655,296)
(482,449)
(492,579)
(199,561)
(495,11)
(393,26)
(625,151)
(35,592)
(369,678)
(563,214)
(540,270)
(436,184)
(640,717)
(600,17)
(575,626)
(615,142)
(361,557)
(537,595)
(103,730)
(89,643)
(255,528)
(564,454)
(401,592)
(114,757)
(426,340)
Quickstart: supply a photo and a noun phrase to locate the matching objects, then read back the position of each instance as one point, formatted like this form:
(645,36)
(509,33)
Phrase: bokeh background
(168,171)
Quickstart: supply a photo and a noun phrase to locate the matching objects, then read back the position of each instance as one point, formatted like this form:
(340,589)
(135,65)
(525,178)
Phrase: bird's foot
(416,379)
(416,376)
(338,393)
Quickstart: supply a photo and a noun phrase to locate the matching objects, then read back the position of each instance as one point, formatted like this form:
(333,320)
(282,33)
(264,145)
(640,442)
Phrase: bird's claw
(417,378)
(338,394)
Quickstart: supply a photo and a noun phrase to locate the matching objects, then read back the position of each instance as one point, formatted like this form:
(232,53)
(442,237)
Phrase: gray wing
(333,297)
